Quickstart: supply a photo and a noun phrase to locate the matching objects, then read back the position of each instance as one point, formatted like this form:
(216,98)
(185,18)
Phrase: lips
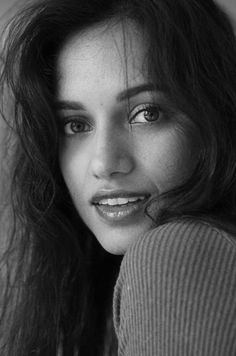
(119,206)
(116,194)
(119,201)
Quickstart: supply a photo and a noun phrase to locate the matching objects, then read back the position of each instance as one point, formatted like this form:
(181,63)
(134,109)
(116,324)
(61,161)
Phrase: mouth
(120,207)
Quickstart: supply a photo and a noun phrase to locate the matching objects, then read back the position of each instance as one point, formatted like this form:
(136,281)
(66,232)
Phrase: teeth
(119,201)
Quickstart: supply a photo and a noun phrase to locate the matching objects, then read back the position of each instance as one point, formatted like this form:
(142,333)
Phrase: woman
(124,126)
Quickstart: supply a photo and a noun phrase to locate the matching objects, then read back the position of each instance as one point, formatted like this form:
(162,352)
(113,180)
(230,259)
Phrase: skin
(106,146)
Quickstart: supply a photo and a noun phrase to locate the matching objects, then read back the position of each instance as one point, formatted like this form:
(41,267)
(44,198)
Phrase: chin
(116,238)
(117,243)
(115,250)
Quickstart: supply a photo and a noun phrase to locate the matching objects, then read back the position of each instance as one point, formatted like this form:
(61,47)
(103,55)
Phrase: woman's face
(122,142)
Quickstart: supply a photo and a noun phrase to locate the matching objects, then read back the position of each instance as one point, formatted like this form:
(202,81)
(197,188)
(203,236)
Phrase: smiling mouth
(120,201)
(120,210)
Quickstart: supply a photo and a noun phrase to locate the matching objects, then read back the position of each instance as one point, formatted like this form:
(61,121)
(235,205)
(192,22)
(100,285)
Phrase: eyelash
(69,122)
(143,108)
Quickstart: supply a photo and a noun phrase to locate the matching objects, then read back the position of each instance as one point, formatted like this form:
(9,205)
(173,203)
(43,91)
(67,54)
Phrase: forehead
(114,50)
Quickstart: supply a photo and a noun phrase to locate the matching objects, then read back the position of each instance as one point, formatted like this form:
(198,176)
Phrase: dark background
(5,5)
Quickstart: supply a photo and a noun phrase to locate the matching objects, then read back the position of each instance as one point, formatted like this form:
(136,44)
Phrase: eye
(145,113)
(73,126)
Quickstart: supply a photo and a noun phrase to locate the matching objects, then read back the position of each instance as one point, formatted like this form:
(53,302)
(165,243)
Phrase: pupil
(151,115)
(76,126)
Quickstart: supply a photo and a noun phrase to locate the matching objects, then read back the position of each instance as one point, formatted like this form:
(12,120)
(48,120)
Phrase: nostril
(110,164)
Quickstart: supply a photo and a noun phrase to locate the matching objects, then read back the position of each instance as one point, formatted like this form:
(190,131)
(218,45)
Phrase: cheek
(167,159)
(73,167)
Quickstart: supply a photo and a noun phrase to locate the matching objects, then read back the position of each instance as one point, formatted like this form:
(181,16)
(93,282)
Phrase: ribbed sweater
(176,293)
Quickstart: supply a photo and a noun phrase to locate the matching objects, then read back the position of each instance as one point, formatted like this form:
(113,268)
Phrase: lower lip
(121,213)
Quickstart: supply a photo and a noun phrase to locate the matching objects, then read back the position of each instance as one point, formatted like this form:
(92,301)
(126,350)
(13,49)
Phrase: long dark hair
(58,280)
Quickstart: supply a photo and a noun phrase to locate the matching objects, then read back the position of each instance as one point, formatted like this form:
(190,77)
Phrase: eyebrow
(130,92)
(127,93)
(69,105)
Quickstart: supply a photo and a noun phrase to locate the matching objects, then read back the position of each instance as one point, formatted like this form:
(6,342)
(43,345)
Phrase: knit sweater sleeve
(176,293)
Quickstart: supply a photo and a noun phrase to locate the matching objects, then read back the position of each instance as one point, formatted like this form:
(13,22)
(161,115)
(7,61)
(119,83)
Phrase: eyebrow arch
(128,93)
(69,105)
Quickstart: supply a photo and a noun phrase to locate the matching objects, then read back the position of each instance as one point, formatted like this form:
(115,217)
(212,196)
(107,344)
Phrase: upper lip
(114,194)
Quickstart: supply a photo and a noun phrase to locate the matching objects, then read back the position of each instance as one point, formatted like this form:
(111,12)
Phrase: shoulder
(180,242)
(181,233)
(178,275)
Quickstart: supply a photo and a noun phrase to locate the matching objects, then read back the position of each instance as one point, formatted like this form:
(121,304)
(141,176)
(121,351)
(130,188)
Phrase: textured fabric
(176,293)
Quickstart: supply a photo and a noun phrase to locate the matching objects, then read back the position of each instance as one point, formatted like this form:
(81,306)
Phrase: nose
(111,155)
